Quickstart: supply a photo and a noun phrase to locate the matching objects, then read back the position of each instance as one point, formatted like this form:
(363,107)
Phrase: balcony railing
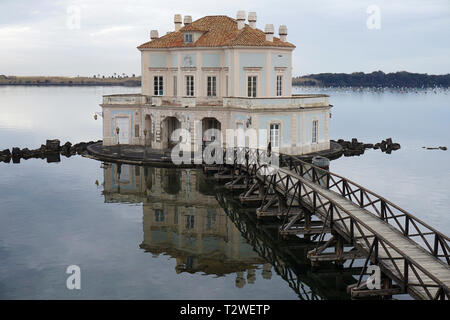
(295,101)
(128,99)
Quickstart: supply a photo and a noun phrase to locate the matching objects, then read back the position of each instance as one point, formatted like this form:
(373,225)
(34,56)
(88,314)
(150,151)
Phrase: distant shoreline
(69,81)
(375,79)
(357,79)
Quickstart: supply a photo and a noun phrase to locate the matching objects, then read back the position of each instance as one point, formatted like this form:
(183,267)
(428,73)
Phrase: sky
(90,37)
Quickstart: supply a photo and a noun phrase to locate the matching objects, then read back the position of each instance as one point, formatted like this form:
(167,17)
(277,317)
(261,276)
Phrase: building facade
(218,73)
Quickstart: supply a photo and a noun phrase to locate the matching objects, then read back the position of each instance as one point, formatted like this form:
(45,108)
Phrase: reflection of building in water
(182,218)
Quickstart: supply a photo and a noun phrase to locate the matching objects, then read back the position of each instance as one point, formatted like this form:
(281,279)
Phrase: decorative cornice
(211,68)
(157,69)
(189,68)
(252,68)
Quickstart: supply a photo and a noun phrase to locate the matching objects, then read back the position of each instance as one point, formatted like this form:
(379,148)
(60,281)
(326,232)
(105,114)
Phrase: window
(279,86)
(158,86)
(136,131)
(315,127)
(189,222)
(275,135)
(226,86)
(188,37)
(211,219)
(211,89)
(175,84)
(251,86)
(159,215)
(175,215)
(190,86)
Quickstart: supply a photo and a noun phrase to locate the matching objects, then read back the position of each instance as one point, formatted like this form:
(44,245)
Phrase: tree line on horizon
(373,79)
(355,79)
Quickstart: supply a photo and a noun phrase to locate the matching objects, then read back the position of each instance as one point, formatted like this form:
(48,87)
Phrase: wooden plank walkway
(397,248)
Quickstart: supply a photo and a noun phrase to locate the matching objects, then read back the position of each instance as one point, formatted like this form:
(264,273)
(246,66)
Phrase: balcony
(302,101)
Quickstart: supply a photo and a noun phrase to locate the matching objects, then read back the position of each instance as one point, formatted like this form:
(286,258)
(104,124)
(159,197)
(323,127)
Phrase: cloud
(330,36)
(112,31)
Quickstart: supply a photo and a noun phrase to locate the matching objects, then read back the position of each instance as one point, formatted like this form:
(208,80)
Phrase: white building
(218,72)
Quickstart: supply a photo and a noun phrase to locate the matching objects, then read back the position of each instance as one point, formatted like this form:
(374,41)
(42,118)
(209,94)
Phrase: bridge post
(406,233)
(436,245)
(339,249)
(307,224)
(352,232)
(383,210)
(282,204)
(314,201)
(405,276)
(361,198)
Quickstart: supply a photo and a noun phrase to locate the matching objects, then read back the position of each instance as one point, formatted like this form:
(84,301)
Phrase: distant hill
(374,79)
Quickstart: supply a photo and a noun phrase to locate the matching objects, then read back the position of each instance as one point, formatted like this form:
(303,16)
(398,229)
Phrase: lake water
(153,233)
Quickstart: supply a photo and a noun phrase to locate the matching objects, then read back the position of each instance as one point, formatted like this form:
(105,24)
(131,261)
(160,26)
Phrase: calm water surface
(153,233)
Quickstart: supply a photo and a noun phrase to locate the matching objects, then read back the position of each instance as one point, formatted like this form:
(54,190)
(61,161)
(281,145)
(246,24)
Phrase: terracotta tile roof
(218,31)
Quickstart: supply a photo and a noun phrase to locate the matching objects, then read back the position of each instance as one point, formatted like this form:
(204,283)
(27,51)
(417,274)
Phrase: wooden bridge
(350,222)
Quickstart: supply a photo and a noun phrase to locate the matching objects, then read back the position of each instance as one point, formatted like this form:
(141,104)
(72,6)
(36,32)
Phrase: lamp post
(145,143)
(118,139)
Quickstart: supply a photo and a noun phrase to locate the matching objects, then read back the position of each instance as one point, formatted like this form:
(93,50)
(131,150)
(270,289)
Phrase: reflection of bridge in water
(288,255)
(203,228)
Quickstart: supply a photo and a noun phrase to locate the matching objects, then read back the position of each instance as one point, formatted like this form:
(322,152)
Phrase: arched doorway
(148,126)
(208,135)
(170,124)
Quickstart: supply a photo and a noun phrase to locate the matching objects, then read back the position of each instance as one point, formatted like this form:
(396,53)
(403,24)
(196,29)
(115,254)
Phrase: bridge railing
(410,275)
(430,239)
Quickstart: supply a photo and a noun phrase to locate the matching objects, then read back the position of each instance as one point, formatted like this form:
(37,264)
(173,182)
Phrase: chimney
(269,31)
(282,31)
(252,19)
(177,20)
(240,19)
(187,20)
(153,35)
